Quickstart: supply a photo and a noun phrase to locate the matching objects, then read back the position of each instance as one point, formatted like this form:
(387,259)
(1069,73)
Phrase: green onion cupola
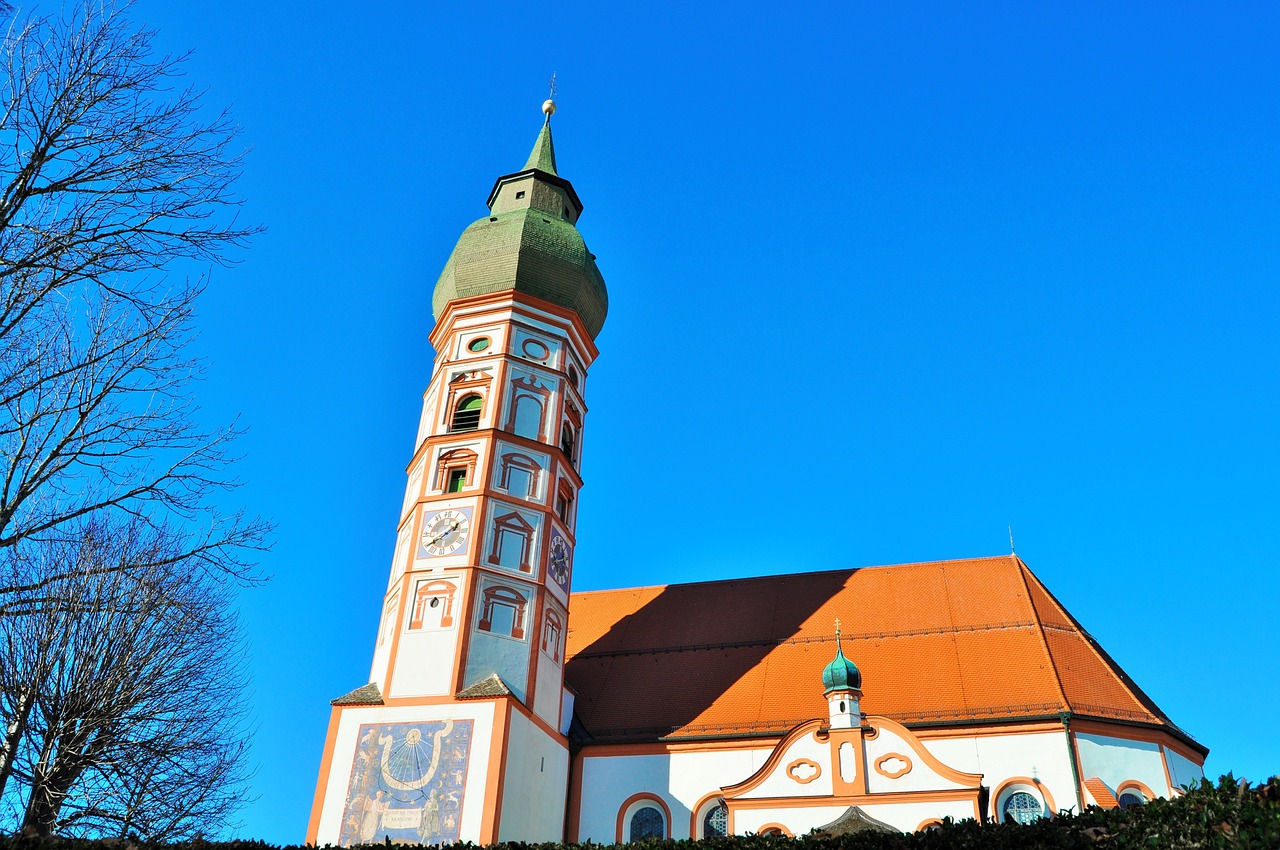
(529,243)
(841,674)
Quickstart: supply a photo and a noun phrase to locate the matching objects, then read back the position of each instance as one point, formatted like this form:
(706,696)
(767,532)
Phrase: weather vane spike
(551,83)
(1012,550)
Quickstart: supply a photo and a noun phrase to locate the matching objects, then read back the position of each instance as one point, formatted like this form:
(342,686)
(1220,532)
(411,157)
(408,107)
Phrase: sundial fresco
(407,783)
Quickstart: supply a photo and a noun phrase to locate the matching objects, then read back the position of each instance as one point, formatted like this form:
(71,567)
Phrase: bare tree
(111,179)
(134,724)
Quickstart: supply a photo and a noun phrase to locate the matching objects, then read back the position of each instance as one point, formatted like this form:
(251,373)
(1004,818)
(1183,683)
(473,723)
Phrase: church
(501,706)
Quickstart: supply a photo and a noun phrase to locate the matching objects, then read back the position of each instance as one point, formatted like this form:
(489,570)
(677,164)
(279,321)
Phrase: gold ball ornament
(549,107)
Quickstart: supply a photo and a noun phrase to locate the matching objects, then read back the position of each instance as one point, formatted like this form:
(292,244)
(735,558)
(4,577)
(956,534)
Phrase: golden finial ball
(549,107)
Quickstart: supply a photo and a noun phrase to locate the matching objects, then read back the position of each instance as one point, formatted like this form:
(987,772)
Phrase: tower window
(567,441)
(564,506)
(478,344)
(457,480)
(519,195)
(466,416)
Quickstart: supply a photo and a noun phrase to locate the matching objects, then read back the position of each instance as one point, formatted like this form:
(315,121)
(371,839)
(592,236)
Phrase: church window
(564,505)
(518,475)
(551,633)
(567,441)
(715,823)
(1021,807)
(1130,798)
(647,822)
(512,538)
(480,343)
(466,416)
(433,605)
(503,612)
(573,376)
(519,195)
(454,469)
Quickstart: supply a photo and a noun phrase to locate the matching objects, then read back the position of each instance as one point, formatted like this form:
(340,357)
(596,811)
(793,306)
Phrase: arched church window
(715,822)
(567,441)
(512,543)
(466,414)
(1130,798)
(647,822)
(503,612)
(455,469)
(518,475)
(1021,807)
(551,633)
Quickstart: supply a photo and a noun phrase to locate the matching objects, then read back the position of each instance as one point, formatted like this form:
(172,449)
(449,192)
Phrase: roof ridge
(1023,572)
(796,574)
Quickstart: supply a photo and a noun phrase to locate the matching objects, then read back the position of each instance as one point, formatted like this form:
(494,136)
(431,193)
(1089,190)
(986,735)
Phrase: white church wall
(547,687)
(412,676)
(346,740)
(803,771)
(1039,756)
(680,779)
(798,820)
(1118,760)
(909,817)
(894,766)
(533,789)
(1182,771)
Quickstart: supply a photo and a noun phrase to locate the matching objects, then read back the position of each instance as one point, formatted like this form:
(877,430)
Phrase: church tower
(460,733)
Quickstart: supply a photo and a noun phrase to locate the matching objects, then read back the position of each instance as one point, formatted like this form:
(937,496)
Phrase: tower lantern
(842,683)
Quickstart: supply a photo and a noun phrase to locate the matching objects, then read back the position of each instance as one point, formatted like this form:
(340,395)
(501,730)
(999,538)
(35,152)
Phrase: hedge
(1231,814)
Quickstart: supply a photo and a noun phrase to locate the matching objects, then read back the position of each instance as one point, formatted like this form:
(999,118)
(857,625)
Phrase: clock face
(445,532)
(558,562)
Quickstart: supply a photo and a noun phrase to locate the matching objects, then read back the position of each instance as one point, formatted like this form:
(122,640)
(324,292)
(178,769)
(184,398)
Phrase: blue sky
(905,273)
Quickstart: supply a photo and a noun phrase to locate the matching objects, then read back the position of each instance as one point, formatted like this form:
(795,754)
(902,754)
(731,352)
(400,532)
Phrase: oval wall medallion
(893,765)
(804,771)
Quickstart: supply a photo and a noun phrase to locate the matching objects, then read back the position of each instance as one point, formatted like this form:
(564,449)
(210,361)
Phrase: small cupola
(842,686)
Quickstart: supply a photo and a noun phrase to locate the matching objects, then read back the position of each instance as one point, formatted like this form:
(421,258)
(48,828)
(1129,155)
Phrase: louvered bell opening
(466,417)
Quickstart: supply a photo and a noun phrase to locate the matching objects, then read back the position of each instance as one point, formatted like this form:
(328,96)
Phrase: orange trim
(1168,777)
(403,592)
(968,779)
(1022,780)
(893,774)
(771,764)
(1033,728)
(643,796)
(1135,785)
(696,813)
(1137,733)
(493,776)
(885,797)
(514,300)
(791,770)
(768,829)
(575,798)
(925,824)
(322,784)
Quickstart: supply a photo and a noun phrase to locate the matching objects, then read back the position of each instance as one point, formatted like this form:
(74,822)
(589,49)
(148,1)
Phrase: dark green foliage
(1231,814)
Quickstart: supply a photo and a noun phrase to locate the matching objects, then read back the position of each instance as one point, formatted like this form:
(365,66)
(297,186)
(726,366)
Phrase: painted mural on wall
(407,783)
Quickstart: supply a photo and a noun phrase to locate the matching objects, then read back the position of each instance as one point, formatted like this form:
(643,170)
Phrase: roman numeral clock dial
(445,532)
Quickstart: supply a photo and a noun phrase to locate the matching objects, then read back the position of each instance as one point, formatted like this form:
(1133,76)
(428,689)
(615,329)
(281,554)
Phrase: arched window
(551,633)
(518,475)
(512,538)
(647,822)
(1021,807)
(503,612)
(567,441)
(1130,797)
(715,823)
(455,469)
(466,414)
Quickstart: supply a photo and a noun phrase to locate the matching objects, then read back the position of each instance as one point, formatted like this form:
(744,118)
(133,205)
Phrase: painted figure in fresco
(373,810)
(429,826)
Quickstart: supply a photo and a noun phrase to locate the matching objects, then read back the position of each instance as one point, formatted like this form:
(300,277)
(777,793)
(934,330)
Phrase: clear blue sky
(905,273)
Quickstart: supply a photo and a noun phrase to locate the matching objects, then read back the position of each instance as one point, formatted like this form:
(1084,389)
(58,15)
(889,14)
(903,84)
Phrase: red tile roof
(1101,793)
(940,642)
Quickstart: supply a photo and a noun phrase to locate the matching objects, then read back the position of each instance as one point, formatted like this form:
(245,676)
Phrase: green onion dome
(529,243)
(841,674)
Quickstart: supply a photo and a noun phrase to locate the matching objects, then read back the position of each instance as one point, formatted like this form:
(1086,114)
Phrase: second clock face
(558,562)
(445,533)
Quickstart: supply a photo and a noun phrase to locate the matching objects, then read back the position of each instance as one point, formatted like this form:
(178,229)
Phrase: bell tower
(460,733)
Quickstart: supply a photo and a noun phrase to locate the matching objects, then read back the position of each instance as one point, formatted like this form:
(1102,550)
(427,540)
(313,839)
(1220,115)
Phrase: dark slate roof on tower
(529,243)
(936,643)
